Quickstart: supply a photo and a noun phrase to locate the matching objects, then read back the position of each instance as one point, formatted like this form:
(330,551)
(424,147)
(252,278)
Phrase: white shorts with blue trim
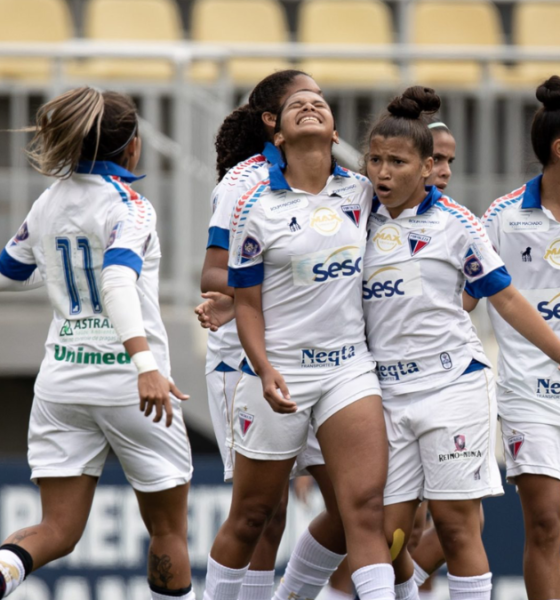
(442,442)
(69,440)
(262,434)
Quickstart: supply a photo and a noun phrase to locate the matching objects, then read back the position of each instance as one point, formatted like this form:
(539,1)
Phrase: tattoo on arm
(20,536)
(159,569)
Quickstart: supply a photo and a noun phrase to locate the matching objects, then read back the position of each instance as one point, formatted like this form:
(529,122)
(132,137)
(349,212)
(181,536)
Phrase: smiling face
(398,172)
(444,155)
(304,115)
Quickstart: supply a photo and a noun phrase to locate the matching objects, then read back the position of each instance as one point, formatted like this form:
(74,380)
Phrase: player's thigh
(456,428)
(221,388)
(64,440)
(154,457)
(264,435)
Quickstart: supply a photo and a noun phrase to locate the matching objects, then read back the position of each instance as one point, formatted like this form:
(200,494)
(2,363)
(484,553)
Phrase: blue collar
(106,167)
(278,181)
(532,194)
(272,154)
(433,196)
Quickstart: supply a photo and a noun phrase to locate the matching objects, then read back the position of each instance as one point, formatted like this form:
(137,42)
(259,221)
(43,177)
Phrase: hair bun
(413,102)
(549,93)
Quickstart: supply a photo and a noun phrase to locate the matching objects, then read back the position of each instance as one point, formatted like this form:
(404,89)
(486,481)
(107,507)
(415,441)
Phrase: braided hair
(243,132)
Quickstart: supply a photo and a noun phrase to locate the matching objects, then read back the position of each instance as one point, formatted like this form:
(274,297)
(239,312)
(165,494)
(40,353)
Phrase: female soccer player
(93,241)
(438,394)
(524,228)
(244,147)
(295,263)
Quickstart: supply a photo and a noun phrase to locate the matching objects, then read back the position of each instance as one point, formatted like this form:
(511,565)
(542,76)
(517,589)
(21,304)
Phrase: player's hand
(154,390)
(216,311)
(276,392)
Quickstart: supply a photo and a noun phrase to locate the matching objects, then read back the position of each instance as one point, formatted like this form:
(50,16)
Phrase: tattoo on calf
(20,536)
(159,568)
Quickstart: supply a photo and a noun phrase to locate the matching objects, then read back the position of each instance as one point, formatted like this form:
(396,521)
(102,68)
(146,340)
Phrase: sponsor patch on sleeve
(472,266)
(250,247)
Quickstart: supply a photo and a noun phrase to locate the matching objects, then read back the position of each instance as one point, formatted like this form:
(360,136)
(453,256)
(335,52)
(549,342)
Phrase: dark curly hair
(243,132)
(405,118)
(546,122)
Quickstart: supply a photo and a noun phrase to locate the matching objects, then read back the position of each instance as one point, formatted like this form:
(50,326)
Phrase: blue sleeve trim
(496,281)
(14,269)
(123,257)
(218,238)
(247,277)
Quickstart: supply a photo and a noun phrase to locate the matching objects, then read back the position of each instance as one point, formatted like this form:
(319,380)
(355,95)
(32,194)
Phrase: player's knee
(363,506)
(455,535)
(543,529)
(250,520)
(275,527)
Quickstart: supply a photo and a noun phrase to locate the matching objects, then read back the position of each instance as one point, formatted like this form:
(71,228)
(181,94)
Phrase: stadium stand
(342,22)
(32,21)
(131,21)
(260,21)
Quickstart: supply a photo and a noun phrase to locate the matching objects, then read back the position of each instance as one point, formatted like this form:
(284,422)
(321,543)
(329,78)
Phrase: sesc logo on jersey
(388,238)
(325,221)
(552,254)
(549,309)
(326,266)
(392,281)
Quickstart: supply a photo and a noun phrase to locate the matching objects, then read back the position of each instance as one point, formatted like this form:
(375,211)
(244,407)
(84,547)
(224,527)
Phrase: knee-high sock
(223,583)
(257,585)
(470,588)
(375,582)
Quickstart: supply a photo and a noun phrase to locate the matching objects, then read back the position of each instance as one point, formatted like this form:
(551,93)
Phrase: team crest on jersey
(388,238)
(353,212)
(460,442)
(250,248)
(552,254)
(514,444)
(325,221)
(417,242)
(245,420)
(115,233)
(472,266)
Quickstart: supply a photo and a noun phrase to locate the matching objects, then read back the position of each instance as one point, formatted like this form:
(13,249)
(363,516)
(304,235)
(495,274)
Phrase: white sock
(426,595)
(407,590)
(470,588)
(257,585)
(330,593)
(223,583)
(375,582)
(420,575)
(12,570)
(188,596)
(308,571)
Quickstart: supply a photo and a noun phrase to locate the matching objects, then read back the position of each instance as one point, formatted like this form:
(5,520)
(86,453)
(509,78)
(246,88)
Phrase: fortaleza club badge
(245,420)
(514,444)
(353,212)
(417,242)
(472,267)
(250,248)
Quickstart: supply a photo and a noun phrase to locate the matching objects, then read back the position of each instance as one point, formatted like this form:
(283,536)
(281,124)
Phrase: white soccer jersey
(415,269)
(527,237)
(224,345)
(77,227)
(307,251)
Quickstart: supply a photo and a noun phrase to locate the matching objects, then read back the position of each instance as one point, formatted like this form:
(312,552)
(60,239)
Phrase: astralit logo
(79,357)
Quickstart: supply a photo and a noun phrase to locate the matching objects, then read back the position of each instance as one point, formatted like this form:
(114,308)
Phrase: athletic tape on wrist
(144,362)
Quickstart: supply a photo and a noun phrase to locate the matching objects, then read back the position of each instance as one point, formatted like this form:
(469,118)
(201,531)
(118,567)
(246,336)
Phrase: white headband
(438,124)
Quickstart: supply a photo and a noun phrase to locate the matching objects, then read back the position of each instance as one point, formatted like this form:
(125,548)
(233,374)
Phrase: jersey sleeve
(247,244)
(491,223)
(472,253)
(17,260)
(131,232)
(224,198)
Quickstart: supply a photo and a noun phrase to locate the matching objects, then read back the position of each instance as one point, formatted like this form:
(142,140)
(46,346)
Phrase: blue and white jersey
(527,237)
(224,347)
(415,269)
(307,252)
(76,228)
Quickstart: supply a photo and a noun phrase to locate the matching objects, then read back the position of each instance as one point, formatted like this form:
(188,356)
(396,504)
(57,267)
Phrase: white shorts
(221,387)
(531,448)
(442,441)
(262,434)
(68,440)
